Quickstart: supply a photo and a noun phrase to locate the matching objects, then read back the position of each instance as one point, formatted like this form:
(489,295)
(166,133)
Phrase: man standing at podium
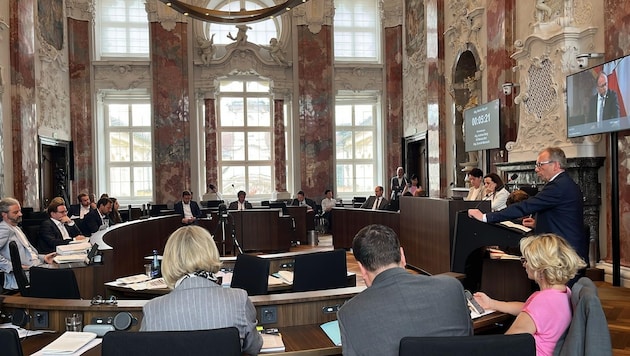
(558,207)
(397,303)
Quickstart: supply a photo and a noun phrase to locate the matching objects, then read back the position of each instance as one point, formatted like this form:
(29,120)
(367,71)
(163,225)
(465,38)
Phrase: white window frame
(125,24)
(356,32)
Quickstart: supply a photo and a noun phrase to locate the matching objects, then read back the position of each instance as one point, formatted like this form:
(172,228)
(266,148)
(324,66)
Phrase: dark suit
(307,201)
(559,210)
(397,188)
(75,210)
(234,205)
(50,237)
(369,203)
(92,221)
(399,304)
(611,107)
(194,209)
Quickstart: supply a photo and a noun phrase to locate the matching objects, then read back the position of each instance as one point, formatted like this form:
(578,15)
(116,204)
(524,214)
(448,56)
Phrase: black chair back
(482,345)
(55,283)
(10,342)
(252,274)
(320,270)
(216,342)
(18,272)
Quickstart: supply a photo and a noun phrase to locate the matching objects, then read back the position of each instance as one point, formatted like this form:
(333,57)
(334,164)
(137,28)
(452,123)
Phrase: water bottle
(156,271)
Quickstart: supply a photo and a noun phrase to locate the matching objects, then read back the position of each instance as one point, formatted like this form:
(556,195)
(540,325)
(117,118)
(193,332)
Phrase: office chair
(55,283)
(320,270)
(18,272)
(588,332)
(482,345)
(358,201)
(10,342)
(216,342)
(251,273)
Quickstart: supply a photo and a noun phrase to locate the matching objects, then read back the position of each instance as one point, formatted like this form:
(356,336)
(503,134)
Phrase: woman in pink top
(551,262)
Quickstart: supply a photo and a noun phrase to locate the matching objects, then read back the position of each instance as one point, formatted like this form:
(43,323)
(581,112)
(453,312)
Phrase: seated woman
(495,191)
(197,302)
(551,262)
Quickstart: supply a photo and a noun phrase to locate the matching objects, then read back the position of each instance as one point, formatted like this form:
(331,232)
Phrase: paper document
(134,279)
(515,226)
(73,248)
(272,343)
(68,343)
(79,257)
(157,283)
(284,276)
(475,315)
(331,329)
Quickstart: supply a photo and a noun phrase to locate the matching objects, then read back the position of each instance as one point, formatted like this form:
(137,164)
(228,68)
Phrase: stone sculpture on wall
(206,49)
(276,52)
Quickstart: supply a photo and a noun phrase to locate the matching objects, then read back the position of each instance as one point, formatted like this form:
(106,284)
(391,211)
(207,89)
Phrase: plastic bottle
(156,270)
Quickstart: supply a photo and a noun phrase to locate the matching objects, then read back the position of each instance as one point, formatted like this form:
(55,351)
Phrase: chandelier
(233,17)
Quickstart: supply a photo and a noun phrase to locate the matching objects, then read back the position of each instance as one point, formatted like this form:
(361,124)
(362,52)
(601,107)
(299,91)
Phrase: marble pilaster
(280,152)
(394,98)
(212,164)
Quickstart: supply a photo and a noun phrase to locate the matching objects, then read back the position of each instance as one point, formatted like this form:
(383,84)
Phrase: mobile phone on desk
(473,304)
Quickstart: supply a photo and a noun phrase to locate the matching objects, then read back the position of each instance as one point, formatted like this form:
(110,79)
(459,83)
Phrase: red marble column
(315,73)
(81,113)
(212,154)
(436,99)
(280,151)
(617,44)
(171,126)
(501,19)
(393,99)
(23,102)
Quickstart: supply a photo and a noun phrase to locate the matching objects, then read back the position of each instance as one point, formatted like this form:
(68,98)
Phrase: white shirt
(241,206)
(62,229)
(187,211)
(84,210)
(377,202)
(328,204)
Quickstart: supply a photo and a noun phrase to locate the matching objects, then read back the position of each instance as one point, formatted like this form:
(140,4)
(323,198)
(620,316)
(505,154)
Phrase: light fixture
(234,17)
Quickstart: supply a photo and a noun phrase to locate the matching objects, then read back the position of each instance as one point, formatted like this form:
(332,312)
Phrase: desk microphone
(513,177)
(482,200)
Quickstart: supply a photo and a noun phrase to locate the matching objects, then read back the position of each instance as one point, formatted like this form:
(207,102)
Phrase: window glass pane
(343,144)
(259,146)
(118,115)
(123,27)
(143,182)
(364,115)
(141,114)
(365,177)
(232,112)
(345,178)
(258,113)
(232,146)
(142,146)
(260,180)
(364,145)
(119,182)
(119,147)
(231,85)
(258,32)
(233,180)
(257,87)
(343,115)
(356,30)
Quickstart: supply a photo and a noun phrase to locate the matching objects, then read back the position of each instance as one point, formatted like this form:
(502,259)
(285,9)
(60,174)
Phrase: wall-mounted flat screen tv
(597,99)
(481,126)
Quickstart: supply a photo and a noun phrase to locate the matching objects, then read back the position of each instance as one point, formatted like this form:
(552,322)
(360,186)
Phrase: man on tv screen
(604,105)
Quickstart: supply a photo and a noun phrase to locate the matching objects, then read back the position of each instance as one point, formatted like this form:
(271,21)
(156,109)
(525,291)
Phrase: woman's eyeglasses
(98,300)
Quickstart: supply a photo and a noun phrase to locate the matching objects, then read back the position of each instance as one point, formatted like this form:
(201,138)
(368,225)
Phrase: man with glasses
(604,105)
(558,207)
(11,212)
(59,229)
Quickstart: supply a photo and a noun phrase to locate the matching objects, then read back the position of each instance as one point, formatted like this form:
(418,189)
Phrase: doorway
(54,170)
(417,159)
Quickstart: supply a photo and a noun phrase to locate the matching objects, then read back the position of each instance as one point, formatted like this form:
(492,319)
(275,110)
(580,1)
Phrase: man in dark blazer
(188,209)
(302,200)
(558,207)
(605,97)
(398,183)
(59,229)
(241,203)
(396,303)
(96,219)
(381,203)
(81,209)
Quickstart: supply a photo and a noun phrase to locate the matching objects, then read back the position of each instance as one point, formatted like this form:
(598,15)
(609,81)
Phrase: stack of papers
(73,249)
(284,276)
(133,279)
(272,343)
(68,343)
(515,226)
(80,257)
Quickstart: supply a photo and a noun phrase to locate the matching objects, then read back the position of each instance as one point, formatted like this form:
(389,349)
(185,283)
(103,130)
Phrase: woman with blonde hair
(197,301)
(551,262)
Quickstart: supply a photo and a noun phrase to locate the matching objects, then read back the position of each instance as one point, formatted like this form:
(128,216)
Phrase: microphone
(513,177)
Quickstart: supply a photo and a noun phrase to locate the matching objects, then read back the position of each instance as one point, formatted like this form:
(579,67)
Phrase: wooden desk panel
(348,221)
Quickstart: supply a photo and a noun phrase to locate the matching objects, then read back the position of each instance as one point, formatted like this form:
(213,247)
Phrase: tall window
(127,149)
(245,138)
(123,29)
(357,31)
(357,145)
(258,32)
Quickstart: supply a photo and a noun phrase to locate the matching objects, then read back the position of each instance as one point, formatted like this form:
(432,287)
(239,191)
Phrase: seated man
(59,229)
(84,206)
(328,203)
(241,203)
(10,231)
(97,219)
(302,200)
(188,209)
(397,303)
(376,202)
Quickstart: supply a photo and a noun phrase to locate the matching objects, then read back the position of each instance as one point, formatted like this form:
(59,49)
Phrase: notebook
(68,343)
(331,329)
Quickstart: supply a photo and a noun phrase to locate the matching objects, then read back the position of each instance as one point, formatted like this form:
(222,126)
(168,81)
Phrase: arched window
(259,32)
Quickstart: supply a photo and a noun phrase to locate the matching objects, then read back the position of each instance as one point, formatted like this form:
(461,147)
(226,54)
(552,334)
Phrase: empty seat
(10,342)
(56,283)
(482,345)
(251,273)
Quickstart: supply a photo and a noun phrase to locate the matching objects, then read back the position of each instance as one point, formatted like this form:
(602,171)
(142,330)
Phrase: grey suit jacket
(400,304)
(7,234)
(200,304)
(370,202)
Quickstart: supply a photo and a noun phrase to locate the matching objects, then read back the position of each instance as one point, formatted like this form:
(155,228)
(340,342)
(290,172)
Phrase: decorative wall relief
(51,20)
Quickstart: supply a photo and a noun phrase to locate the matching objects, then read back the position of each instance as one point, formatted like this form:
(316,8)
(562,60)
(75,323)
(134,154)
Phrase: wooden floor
(615,302)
